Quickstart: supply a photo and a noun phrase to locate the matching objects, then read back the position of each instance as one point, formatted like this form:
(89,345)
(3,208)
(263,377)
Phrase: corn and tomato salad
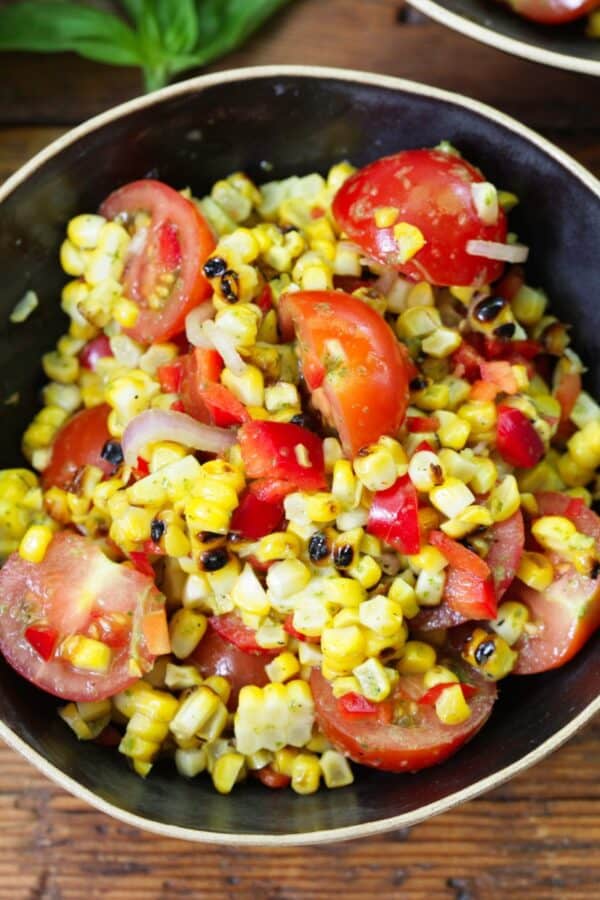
(312,473)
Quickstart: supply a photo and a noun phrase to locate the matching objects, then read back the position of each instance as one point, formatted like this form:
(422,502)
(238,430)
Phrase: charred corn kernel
(64,369)
(442,342)
(35,542)
(439,675)
(480,414)
(322,507)
(560,535)
(125,312)
(376,468)
(512,618)
(451,707)
(403,594)
(86,653)
(344,484)
(84,230)
(335,769)
(470,519)
(385,216)
(571,473)
(417,658)
(249,387)
(191,762)
(283,667)
(179,678)
(186,629)
(490,654)
(381,614)
(366,571)
(485,475)
(425,470)
(279,545)
(373,679)
(454,431)
(345,684)
(248,593)
(529,305)
(227,770)
(584,446)
(432,398)
(430,588)
(418,322)
(196,709)
(305,773)
(409,240)
(451,497)
(504,500)
(344,647)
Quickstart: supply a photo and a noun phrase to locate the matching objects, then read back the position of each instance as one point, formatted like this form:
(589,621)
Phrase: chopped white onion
(224,344)
(510,253)
(485,199)
(155,425)
(193,325)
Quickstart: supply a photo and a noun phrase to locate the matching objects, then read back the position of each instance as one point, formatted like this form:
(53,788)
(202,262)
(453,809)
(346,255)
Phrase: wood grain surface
(537,837)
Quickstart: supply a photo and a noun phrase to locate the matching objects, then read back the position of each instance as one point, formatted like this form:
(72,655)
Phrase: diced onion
(510,253)
(224,344)
(193,324)
(386,281)
(155,425)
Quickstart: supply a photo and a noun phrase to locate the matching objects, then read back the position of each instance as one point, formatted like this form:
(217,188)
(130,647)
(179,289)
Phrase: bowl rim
(403,820)
(514,46)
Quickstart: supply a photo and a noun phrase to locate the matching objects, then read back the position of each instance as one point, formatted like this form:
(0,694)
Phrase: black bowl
(565,46)
(299,120)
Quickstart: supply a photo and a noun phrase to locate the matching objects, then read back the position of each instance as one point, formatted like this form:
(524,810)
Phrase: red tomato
(79,443)
(269,450)
(517,441)
(467,361)
(270,490)
(272,779)
(231,628)
(94,350)
(506,548)
(254,518)
(176,243)
(432,191)
(355,705)
(431,696)
(552,12)
(394,516)
(216,656)
(458,556)
(470,595)
(416,424)
(288,626)
(442,616)
(566,390)
(356,370)
(399,748)
(75,590)
(170,377)
(568,612)
(223,407)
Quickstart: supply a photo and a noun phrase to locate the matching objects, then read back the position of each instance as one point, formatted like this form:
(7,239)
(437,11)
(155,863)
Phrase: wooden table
(536,837)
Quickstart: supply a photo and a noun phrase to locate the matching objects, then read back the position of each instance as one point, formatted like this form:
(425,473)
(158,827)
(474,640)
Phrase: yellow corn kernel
(35,542)
(278,545)
(227,771)
(130,524)
(429,559)
(470,519)
(584,446)
(453,431)
(535,570)
(249,595)
(373,679)
(249,387)
(543,477)
(343,647)
(84,230)
(344,484)
(442,342)
(439,675)
(451,497)
(179,678)
(403,594)
(529,305)
(571,473)
(306,773)
(72,259)
(385,216)
(283,667)
(376,468)
(409,240)
(284,760)
(186,629)
(86,653)
(287,577)
(425,470)
(504,500)
(64,369)
(125,312)
(366,571)
(381,614)
(511,620)
(433,398)
(417,658)
(322,507)
(485,475)
(480,414)
(190,762)
(220,686)
(451,707)
(196,709)
(332,452)
(418,322)
(464,294)
(228,473)
(559,534)
(345,684)
(490,654)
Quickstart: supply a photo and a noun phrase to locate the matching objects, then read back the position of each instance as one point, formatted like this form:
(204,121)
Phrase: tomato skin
(431,696)
(96,349)
(506,549)
(566,391)
(394,516)
(365,390)
(268,451)
(288,626)
(395,748)
(49,596)
(254,518)
(78,443)
(552,12)
(231,628)
(458,556)
(517,441)
(417,424)
(178,241)
(170,377)
(473,597)
(432,191)
(215,655)
(272,779)
(223,407)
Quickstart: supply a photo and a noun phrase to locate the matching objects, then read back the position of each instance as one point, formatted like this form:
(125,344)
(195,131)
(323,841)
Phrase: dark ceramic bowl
(300,120)
(564,46)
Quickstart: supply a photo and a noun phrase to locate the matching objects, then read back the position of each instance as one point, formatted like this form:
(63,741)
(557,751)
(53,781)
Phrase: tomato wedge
(79,443)
(506,549)
(517,441)
(355,369)
(568,612)
(75,590)
(230,627)
(552,12)
(216,655)
(170,250)
(458,556)
(423,742)
(431,190)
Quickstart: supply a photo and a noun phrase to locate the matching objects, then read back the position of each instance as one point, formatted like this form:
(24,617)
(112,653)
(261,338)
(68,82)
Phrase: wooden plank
(376,35)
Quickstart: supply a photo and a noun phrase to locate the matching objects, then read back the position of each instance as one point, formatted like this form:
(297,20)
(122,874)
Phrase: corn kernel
(86,653)
(584,446)
(439,675)
(490,654)
(418,322)
(451,707)
(381,614)
(385,216)
(451,497)
(343,647)
(35,542)
(305,773)
(249,595)
(336,770)
(283,667)
(442,342)
(485,475)
(453,431)
(373,680)
(417,658)
(404,595)
(511,619)
(227,771)
(186,630)
(425,470)
(409,240)
(504,500)
(279,545)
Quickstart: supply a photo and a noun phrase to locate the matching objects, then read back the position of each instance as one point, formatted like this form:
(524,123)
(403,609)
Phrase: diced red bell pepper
(458,556)
(466,362)
(517,441)
(224,408)
(355,705)
(141,468)
(254,518)
(43,639)
(201,367)
(424,445)
(142,563)
(274,450)
(170,376)
(511,351)
(472,597)
(151,548)
(271,490)
(394,516)
(94,350)
(288,626)
(177,406)
(416,424)
(231,628)
(265,299)
(431,696)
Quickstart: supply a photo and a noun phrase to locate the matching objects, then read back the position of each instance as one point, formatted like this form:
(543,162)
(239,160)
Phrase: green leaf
(51,26)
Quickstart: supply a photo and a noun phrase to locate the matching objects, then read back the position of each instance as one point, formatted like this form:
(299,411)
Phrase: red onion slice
(155,425)
(510,253)
(193,324)
(225,347)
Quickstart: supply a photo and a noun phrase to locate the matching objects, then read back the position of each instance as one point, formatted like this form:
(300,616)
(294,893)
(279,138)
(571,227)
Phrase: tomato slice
(273,450)
(75,590)
(356,370)
(79,443)
(471,596)
(230,627)
(423,742)
(173,248)
(517,441)
(552,12)
(215,655)
(431,190)
(506,549)
(567,613)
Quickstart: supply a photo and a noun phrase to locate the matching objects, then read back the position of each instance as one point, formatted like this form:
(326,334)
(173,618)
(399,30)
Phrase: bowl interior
(272,126)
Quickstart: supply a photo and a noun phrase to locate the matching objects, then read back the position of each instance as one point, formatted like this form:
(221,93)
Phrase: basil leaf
(53,27)
(178,21)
